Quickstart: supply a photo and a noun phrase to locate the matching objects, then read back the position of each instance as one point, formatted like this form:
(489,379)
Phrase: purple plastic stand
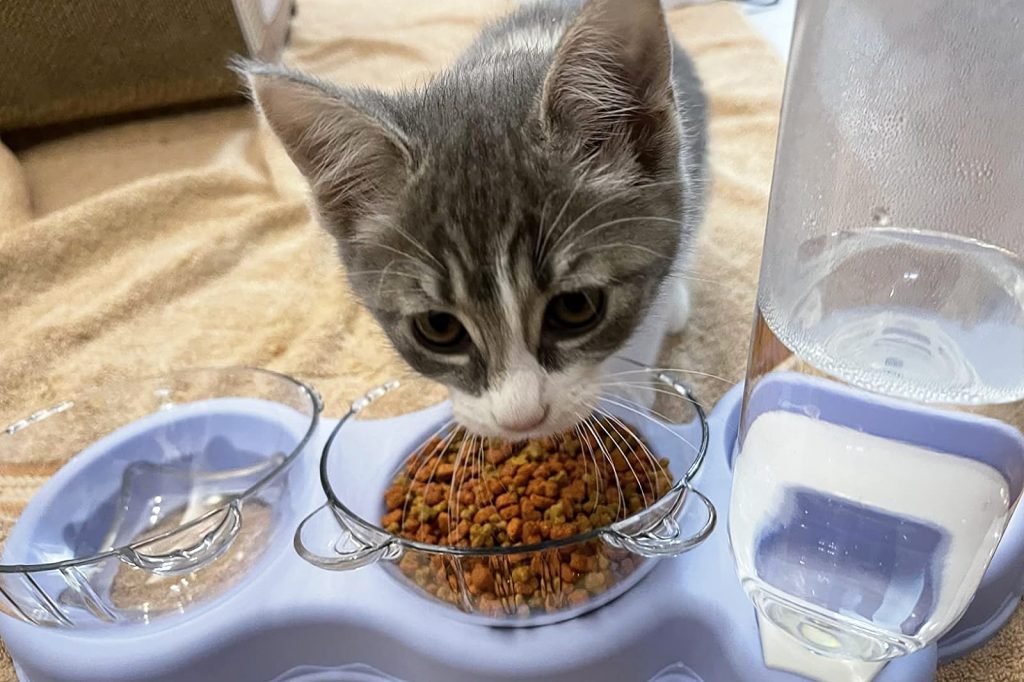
(688,621)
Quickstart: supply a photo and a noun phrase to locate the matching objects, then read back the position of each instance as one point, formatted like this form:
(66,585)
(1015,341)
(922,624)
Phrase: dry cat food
(462,491)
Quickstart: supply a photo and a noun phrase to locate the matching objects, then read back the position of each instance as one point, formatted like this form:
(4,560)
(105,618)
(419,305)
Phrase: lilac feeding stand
(688,621)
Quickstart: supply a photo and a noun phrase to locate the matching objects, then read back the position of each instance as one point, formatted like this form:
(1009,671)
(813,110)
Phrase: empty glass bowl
(173,489)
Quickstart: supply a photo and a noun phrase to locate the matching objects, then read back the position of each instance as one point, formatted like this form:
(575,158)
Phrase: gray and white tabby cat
(520,219)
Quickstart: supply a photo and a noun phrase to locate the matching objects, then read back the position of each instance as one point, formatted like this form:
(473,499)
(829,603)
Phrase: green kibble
(532,451)
(521,574)
(555,513)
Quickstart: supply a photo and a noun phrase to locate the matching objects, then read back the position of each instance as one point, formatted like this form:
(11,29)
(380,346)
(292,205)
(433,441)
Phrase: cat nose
(524,420)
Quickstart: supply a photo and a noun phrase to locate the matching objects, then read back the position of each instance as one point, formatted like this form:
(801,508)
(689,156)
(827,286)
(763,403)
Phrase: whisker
(398,273)
(625,458)
(380,281)
(659,370)
(403,254)
(619,221)
(626,432)
(612,197)
(440,452)
(590,453)
(482,476)
(426,456)
(611,465)
(622,245)
(645,386)
(646,414)
(415,242)
(551,228)
(542,223)
(694,278)
(497,473)
(453,489)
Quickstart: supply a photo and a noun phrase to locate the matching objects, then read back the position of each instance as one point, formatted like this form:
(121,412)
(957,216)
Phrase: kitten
(519,220)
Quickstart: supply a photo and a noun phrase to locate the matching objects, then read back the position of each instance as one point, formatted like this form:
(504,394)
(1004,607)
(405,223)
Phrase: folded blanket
(185,241)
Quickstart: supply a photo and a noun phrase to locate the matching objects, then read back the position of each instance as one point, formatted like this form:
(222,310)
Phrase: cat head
(510,223)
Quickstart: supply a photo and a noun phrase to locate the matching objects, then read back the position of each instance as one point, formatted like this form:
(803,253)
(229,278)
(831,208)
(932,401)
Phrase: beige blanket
(185,241)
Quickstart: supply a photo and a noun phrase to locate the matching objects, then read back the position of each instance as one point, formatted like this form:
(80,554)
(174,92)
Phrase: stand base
(688,621)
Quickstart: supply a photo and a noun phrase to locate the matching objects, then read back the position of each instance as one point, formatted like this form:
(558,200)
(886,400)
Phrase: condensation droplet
(880,216)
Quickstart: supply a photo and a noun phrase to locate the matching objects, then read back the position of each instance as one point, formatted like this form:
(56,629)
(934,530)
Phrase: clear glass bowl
(175,487)
(509,578)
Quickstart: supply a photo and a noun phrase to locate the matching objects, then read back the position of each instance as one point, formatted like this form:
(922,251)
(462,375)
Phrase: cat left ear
(608,93)
(353,157)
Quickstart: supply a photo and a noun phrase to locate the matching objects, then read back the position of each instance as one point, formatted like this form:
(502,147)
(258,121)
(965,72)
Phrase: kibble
(466,492)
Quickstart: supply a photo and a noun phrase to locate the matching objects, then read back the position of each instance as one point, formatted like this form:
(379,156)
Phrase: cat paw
(679,306)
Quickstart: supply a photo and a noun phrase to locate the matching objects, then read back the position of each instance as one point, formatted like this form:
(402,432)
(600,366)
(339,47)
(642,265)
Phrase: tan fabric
(65,61)
(185,241)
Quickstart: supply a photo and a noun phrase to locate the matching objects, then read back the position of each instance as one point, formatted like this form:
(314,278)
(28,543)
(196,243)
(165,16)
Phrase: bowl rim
(677,494)
(315,403)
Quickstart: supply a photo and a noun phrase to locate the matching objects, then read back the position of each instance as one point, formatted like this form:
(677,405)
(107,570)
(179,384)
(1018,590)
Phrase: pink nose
(525,420)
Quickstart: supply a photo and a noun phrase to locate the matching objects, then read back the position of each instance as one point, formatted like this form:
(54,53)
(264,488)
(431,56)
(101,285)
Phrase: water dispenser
(879,455)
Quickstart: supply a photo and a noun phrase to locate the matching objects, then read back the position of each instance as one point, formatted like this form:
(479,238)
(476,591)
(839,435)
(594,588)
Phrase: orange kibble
(550,489)
(461,531)
(535,487)
(480,579)
(560,531)
(395,497)
(435,493)
(505,500)
(540,501)
(531,532)
(496,455)
(484,515)
(529,511)
(509,513)
(515,526)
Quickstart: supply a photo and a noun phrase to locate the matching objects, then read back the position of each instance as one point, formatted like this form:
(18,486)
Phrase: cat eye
(440,332)
(574,312)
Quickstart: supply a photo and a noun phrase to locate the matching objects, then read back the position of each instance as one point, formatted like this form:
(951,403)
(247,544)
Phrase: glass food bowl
(590,541)
(173,489)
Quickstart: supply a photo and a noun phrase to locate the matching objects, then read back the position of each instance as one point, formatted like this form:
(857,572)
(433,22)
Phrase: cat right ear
(353,157)
(608,95)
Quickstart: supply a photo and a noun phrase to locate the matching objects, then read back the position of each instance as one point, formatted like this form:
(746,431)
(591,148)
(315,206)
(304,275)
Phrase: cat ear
(608,93)
(353,157)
